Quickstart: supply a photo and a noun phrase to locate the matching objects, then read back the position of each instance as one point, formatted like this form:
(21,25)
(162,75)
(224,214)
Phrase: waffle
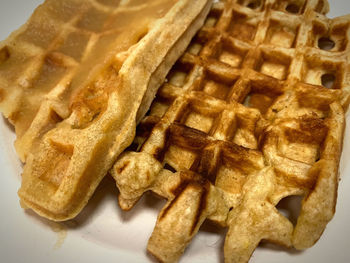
(75,79)
(252,113)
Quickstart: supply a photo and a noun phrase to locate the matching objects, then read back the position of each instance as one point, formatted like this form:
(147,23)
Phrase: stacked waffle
(253,112)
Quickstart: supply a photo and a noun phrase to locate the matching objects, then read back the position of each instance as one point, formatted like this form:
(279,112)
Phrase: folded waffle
(252,113)
(75,79)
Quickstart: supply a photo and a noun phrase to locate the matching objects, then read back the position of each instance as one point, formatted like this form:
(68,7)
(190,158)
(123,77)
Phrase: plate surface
(102,232)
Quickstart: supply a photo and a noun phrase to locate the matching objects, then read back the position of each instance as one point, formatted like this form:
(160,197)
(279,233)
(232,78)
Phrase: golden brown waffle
(75,79)
(252,113)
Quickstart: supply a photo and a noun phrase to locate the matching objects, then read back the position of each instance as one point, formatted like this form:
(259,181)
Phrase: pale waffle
(75,79)
(252,113)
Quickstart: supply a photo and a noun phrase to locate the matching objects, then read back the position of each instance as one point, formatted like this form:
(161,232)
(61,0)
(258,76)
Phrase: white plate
(102,232)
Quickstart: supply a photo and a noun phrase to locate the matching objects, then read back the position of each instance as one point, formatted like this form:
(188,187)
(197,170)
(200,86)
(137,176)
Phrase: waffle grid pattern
(252,113)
